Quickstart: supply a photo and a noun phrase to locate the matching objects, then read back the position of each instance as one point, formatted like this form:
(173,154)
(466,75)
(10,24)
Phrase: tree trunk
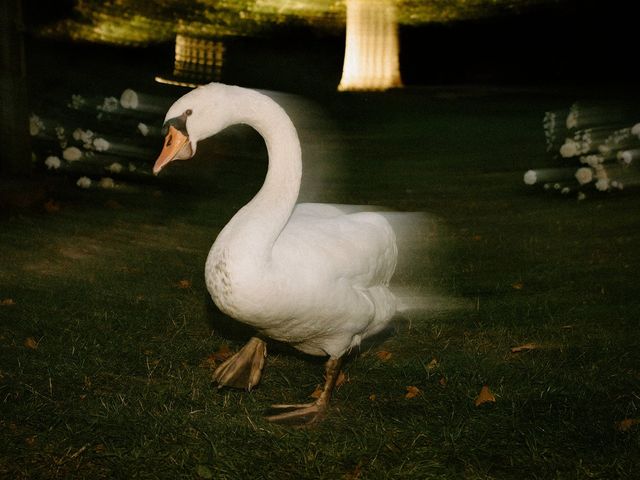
(371,57)
(15,151)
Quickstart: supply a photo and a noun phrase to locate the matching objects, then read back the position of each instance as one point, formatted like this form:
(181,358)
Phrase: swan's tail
(423,260)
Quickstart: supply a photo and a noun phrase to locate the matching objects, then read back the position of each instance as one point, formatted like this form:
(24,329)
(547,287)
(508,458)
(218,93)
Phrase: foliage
(137,22)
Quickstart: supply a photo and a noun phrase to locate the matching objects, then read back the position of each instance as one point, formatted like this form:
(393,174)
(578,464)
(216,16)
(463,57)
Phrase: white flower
(635,130)
(565,190)
(52,162)
(530,177)
(101,145)
(569,148)
(115,167)
(84,136)
(129,99)
(584,175)
(604,149)
(592,160)
(72,154)
(572,120)
(627,156)
(77,101)
(60,135)
(143,129)
(84,182)
(110,104)
(106,182)
(35,125)
(603,184)
(132,167)
(581,196)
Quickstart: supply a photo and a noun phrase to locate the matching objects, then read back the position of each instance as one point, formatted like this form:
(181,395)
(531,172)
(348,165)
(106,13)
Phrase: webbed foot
(244,368)
(308,413)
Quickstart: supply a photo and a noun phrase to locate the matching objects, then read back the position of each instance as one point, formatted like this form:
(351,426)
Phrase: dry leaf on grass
(341,380)
(412,392)
(372,397)
(31,440)
(524,348)
(222,353)
(485,396)
(7,302)
(517,285)
(31,343)
(216,357)
(317,392)
(355,473)
(432,364)
(184,284)
(627,424)
(113,204)
(442,382)
(384,355)
(51,206)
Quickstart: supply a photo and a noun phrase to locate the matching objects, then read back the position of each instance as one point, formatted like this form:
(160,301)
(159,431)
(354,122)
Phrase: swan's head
(199,114)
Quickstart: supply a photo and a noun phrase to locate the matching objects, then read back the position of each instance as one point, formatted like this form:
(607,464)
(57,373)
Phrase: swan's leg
(244,368)
(308,413)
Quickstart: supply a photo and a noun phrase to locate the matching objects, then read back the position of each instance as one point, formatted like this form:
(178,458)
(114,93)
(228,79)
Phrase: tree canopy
(140,22)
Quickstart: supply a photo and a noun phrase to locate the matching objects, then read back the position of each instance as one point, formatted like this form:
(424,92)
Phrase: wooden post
(15,151)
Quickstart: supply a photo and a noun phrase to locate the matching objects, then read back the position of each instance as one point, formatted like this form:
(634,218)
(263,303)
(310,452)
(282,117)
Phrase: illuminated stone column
(371,57)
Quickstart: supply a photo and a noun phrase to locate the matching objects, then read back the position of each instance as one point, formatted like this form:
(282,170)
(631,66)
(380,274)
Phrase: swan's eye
(189,112)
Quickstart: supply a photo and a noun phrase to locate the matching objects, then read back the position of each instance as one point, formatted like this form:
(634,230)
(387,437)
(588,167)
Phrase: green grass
(116,387)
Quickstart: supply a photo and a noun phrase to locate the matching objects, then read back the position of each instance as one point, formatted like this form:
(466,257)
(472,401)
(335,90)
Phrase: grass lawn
(107,331)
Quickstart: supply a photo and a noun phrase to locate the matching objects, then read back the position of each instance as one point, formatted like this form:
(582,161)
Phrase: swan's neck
(256,227)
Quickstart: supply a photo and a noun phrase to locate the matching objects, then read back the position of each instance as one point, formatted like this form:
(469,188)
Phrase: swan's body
(309,275)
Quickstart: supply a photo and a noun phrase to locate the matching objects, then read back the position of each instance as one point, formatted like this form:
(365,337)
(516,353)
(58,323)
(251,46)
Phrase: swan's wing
(332,209)
(359,248)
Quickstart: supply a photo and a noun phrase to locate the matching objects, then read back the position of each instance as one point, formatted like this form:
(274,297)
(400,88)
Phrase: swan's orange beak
(176,147)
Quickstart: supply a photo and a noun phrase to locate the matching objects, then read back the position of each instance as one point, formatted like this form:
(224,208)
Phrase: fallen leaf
(7,302)
(204,472)
(412,392)
(524,348)
(627,424)
(477,238)
(184,284)
(342,379)
(442,382)
(100,448)
(31,343)
(51,206)
(31,440)
(432,364)
(517,285)
(216,357)
(317,392)
(355,473)
(383,355)
(485,396)
(372,397)
(113,204)
(222,353)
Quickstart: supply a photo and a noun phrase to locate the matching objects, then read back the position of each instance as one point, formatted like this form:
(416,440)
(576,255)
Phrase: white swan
(309,275)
